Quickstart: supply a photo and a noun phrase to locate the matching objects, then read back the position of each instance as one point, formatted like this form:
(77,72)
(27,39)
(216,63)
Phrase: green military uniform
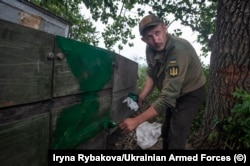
(178,74)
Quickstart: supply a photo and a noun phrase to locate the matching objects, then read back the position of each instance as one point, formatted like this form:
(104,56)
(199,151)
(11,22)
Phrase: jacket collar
(161,56)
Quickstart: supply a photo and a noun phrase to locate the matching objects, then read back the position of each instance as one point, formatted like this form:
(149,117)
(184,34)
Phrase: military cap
(147,21)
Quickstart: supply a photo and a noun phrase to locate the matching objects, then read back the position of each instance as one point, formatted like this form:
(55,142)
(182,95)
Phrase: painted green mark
(93,69)
(92,66)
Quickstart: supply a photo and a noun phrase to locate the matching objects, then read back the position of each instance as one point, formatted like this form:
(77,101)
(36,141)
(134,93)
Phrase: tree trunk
(229,68)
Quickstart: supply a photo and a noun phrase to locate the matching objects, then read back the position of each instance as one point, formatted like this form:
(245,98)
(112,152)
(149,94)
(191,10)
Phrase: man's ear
(143,39)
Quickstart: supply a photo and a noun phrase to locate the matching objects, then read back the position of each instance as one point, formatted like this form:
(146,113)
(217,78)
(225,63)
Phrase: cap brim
(149,25)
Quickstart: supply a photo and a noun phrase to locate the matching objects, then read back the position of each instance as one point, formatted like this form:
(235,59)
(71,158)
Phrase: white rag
(147,134)
(131,104)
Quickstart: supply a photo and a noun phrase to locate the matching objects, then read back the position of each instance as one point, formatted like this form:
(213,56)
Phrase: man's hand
(128,124)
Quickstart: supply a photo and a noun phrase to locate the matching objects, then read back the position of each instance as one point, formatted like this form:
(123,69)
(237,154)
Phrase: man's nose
(155,39)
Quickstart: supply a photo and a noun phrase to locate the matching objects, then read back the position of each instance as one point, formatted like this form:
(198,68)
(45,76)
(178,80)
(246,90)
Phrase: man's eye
(157,33)
(149,38)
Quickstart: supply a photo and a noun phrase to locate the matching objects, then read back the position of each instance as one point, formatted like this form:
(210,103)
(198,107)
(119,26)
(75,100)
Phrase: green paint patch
(93,69)
(92,66)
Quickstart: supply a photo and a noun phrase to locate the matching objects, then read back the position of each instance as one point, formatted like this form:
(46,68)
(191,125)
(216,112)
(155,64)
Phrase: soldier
(175,69)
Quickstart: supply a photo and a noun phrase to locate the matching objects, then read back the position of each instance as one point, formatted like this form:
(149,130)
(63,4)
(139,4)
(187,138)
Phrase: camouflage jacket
(176,70)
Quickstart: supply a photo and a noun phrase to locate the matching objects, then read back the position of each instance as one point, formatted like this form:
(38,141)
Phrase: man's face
(156,37)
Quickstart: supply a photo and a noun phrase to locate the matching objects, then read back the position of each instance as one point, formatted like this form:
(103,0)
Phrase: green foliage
(199,15)
(214,135)
(119,17)
(141,77)
(140,83)
(81,29)
(237,126)
(112,34)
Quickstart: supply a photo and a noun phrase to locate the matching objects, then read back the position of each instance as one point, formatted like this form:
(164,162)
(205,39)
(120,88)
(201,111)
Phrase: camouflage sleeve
(175,72)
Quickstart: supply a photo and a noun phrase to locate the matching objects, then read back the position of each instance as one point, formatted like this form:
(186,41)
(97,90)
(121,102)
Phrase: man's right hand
(128,124)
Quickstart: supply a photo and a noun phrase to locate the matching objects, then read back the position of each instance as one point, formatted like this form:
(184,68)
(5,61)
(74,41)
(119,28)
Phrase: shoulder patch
(173,71)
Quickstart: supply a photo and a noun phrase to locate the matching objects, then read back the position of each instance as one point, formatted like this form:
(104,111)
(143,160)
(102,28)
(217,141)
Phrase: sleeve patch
(173,71)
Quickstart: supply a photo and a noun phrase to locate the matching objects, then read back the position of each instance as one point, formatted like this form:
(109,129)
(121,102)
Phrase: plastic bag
(131,104)
(147,134)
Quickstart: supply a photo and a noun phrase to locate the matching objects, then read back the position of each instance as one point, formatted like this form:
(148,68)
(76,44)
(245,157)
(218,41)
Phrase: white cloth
(147,134)
(131,104)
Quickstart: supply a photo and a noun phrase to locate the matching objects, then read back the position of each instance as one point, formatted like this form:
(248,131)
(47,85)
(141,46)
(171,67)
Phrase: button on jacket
(176,71)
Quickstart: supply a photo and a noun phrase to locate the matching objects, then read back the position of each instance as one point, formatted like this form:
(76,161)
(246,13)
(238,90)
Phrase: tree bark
(229,68)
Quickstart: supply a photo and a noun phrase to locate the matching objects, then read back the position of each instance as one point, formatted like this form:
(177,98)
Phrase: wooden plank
(119,109)
(25,71)
(125,77)
(64,81)
(25,142)
(82,68)
(11,114)
(125,73)
(96,143)
(74,123)
(28,14)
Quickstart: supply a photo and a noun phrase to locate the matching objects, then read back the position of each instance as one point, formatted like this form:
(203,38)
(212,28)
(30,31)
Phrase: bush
(236,128)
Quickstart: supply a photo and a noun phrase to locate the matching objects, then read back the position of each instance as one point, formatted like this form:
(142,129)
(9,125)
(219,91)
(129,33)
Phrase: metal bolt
(50,55)
(59,55)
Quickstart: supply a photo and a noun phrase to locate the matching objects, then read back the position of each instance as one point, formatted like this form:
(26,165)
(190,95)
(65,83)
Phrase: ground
(119,140)
(126,141)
